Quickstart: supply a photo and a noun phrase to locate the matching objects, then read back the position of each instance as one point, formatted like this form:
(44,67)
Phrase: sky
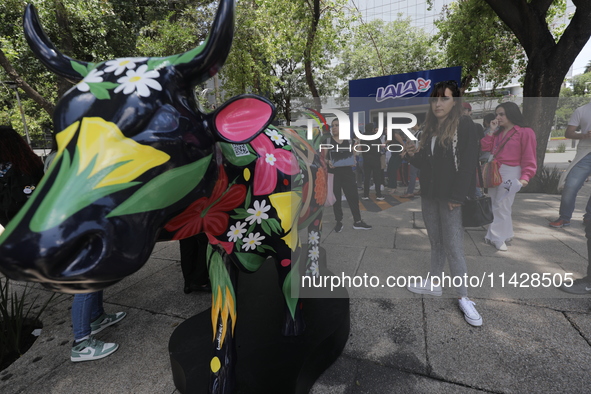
(423,18)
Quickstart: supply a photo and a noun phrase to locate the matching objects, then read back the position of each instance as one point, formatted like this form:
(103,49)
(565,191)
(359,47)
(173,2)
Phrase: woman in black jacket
(447,160)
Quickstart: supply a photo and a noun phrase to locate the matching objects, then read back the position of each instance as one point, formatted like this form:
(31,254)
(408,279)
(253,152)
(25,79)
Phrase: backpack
(15,189)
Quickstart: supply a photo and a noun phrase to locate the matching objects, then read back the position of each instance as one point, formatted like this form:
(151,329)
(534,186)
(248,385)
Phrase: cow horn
(207,62)
(45,50)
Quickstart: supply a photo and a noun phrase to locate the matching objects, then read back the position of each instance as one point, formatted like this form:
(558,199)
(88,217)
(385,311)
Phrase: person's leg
(366,176)
(359,172)
(97,309)
(194,263)
(81,314)
(587,215)
(377,175)
(350,190)
(392,170)
(412,179)
(574,181)
(337,187)
(501,229)
(453,242)
(432,219)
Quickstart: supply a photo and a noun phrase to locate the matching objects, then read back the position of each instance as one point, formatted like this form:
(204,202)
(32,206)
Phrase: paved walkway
(533,339)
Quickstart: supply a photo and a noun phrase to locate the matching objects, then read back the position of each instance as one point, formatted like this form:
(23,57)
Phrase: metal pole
(18,100)
(11,84)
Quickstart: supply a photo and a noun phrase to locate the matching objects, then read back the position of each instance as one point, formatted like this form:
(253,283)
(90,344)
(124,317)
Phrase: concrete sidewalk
(532,340)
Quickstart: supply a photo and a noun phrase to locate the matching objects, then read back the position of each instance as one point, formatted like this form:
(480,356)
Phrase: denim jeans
(86,308)
(446,235)
(574,181)
(414,172)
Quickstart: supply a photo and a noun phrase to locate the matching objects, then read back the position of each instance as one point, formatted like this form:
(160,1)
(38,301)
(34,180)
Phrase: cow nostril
(82,256)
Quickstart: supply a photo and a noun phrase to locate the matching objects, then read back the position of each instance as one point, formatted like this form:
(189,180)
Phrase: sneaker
(411,195)
(501,246)
(365,198)
(579,286)
(471,315)
(338,227)
(92,349)
(424,287)
(381,198)
(559,223)
(361,225)
(105,321)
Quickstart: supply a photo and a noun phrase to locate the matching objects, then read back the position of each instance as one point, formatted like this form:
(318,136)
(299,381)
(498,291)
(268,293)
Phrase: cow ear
(242,118)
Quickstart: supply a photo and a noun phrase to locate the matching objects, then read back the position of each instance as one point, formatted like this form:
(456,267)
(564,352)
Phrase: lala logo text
(411,88)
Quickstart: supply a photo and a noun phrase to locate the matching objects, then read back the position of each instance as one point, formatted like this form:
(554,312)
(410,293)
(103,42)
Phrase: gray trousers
(446,235)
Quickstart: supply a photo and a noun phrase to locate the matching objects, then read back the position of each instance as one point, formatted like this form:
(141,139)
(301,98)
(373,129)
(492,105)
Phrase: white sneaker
(471,315)
(424,287)
(501,246)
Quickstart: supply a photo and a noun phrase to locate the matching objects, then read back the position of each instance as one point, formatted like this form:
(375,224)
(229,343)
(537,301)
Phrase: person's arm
(529,162)
(571,133)
(467,160)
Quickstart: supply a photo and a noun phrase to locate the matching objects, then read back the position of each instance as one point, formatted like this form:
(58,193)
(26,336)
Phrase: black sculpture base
(267,362)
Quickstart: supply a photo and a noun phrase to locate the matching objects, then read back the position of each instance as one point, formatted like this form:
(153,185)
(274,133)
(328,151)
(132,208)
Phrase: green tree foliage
(550,50)
(89,30)
(475,38)
(383,48)
(572,97)
(273,44)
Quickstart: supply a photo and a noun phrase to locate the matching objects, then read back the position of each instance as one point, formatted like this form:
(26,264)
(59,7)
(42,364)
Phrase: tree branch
(32,93)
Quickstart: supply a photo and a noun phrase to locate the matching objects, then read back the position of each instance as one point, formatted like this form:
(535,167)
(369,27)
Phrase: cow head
(134,151)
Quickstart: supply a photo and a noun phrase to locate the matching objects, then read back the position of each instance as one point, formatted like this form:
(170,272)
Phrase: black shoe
(579,286)
(338,227)
(361,225)
(200,288)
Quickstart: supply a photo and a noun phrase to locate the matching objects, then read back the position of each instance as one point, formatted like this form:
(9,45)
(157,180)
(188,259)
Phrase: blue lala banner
(398,90)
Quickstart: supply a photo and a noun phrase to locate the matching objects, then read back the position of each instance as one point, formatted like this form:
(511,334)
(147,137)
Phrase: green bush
(561,148)
(17,312)
(546,181)
(557,133)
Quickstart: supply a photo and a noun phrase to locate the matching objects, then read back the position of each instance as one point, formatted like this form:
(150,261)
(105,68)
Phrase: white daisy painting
(139,80)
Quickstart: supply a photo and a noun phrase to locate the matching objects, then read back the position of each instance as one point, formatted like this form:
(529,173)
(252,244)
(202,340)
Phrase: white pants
(501,229)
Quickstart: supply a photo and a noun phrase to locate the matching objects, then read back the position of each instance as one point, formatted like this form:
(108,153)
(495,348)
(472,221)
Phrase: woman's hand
(453,205)
(494,124)
(410,148)
(523,182)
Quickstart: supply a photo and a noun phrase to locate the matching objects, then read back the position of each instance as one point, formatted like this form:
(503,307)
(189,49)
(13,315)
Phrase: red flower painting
(209,214)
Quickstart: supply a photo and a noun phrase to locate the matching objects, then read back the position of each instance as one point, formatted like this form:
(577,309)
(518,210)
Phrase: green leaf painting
(165,189)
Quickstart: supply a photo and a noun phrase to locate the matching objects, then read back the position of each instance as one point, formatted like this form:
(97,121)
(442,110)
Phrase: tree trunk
(548,60)
(308,53)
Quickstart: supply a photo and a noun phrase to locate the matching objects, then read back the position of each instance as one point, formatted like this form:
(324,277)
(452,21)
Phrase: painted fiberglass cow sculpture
(138,163)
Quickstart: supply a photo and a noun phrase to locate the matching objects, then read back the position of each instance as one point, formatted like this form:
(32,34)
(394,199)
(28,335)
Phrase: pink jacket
(520,150)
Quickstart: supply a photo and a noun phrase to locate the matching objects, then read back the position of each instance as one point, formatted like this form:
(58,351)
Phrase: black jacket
(439,178)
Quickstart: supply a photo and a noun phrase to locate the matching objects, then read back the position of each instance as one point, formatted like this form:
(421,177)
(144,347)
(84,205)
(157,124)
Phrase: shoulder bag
(477,211)
(491,176)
